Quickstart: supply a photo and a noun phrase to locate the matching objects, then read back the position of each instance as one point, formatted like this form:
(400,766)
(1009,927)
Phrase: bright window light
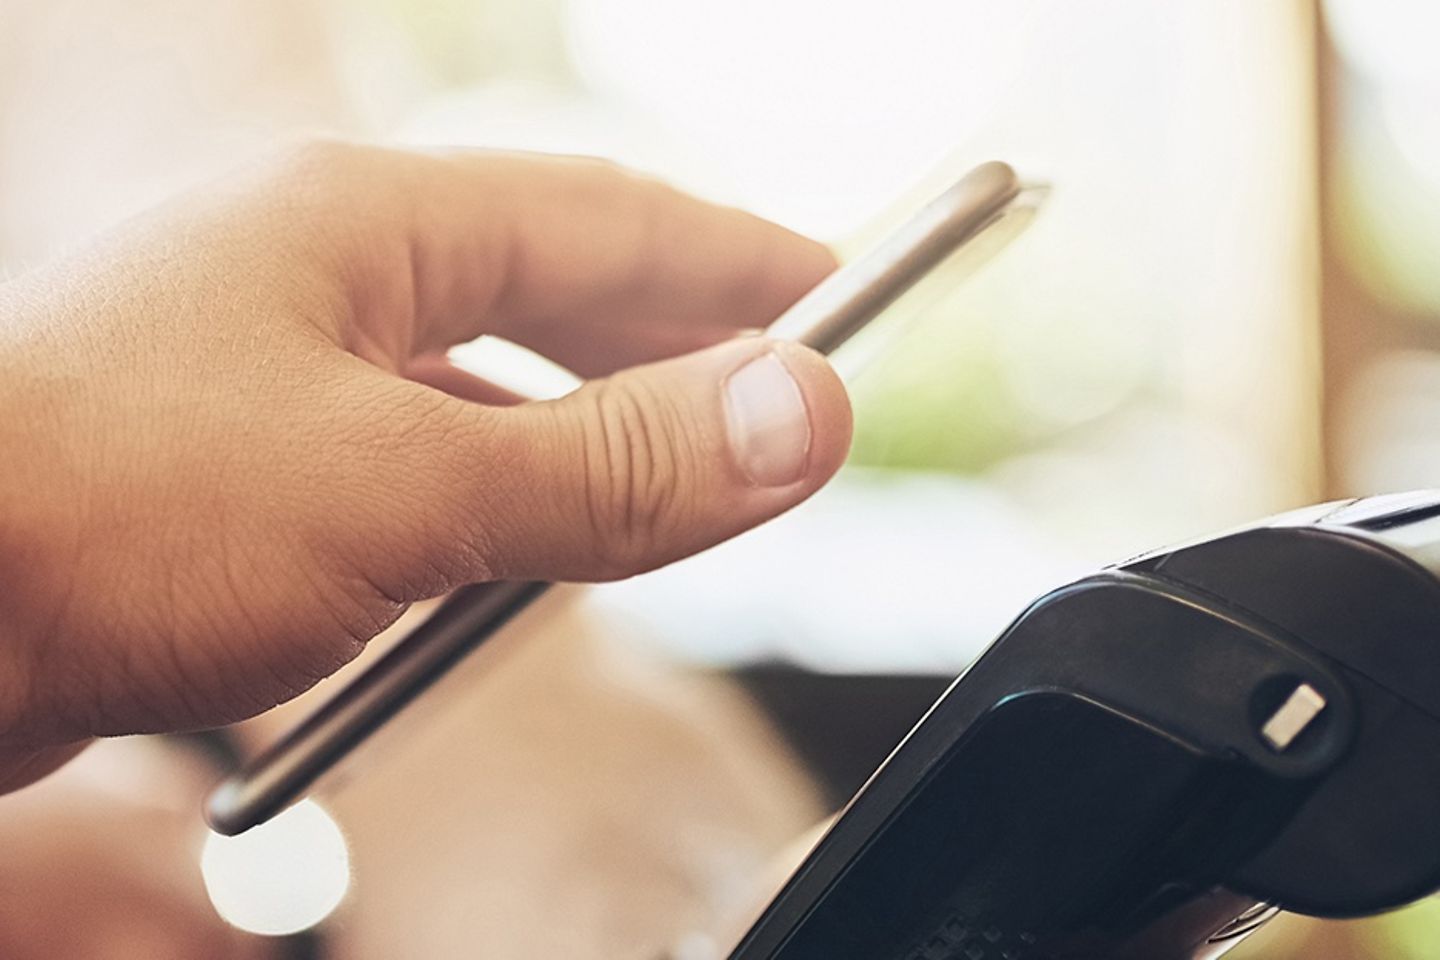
(808,113)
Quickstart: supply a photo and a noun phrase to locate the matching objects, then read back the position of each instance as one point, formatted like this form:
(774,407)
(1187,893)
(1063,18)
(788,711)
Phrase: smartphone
(989,202)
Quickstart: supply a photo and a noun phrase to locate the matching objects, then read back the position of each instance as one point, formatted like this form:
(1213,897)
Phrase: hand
(231,450)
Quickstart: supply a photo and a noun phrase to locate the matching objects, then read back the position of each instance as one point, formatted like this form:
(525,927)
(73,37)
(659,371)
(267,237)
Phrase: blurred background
(1229,306)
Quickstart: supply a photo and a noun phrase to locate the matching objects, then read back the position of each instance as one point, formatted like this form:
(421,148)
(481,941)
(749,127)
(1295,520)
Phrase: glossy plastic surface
(1098,784)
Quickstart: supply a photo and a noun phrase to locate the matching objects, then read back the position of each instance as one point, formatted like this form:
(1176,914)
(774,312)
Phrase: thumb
(650,464)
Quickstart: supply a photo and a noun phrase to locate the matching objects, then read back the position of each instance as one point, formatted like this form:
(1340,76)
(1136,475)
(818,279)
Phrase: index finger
(590,265)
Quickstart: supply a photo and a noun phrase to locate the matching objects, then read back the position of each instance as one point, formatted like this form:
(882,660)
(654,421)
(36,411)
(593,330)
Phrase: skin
(231,450)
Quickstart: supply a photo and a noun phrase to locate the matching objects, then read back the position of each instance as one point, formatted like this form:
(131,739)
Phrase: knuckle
(315,160)
(613,183)
(311,197)
(635,489)
(318,181)
(604,171)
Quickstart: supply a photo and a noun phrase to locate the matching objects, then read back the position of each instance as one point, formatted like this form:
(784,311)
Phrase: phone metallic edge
(825,318)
